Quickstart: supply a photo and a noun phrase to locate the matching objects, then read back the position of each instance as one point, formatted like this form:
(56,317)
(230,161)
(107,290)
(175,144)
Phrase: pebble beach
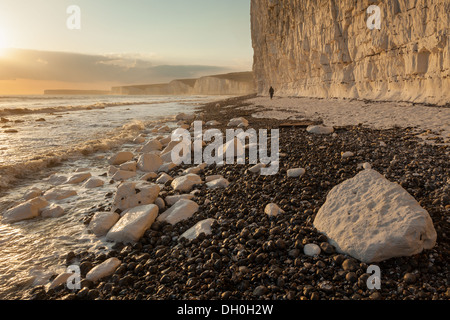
(252,252)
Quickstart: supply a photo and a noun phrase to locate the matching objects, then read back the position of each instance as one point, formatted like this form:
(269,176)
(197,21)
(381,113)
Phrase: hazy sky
(198,36)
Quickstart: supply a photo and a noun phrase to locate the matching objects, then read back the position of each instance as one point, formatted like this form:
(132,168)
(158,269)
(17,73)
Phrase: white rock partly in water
(311,250)
(149,162)
(373,219)
(102,222)
(218,183)
(94,182)
(132,226)
(133,194)
(182,210)
(25,211)
(60,279)
(273,210)
(320,130)
(296,173)
(32,193)
(128,166)
(59,194)
(78,178)
(201,227)
(152,145)
(103,270)
(186,183)
(52,211)
(121,158)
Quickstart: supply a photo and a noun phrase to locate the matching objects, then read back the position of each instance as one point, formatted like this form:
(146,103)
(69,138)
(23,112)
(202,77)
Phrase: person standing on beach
(271,92)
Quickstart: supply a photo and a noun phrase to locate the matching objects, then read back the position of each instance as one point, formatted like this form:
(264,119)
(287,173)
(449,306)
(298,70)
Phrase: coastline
(236,261)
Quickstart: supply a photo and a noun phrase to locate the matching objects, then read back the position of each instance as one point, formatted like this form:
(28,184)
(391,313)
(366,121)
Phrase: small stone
(349,265)
(375,296)
(327,248)
(260,291)
(311,250)
(410,278)
(351,277)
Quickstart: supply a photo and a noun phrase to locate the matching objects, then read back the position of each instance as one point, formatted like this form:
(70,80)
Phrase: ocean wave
(94,106)
(12,172)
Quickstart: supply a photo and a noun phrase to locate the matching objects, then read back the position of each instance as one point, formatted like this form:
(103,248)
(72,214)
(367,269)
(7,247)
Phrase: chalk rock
(373,219)
(219,183)
(132,226)
(52,211)
(102,222)
(213,177)
(128,166)
(60,279)
(121,158)
(112,170)
(149,176)
(152,145)
(33,193)
(133,194)
(93,182)
(257,168)
(311,250)
(149,162)
(166,167)
(123,175)
(182,210)
(56,179)
(238,122)
(164,178)
(171,200)
(78,178)
(296,173)
(106,269)
(213,123)
(367,166)
(273,210)
(320,130)
(186,183)
(59,194)
(201,227)
(25,211)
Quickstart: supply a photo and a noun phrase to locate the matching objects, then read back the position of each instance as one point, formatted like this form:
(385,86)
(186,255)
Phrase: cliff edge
(327,49)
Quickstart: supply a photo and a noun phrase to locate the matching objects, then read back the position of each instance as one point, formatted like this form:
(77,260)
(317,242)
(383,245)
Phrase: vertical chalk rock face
(322,48)
(373,219)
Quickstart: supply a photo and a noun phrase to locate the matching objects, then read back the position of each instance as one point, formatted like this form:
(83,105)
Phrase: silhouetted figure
(272,92)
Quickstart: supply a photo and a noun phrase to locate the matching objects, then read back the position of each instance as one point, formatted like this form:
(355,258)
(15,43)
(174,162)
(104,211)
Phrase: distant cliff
(324,48)
(76,92)
(241,83)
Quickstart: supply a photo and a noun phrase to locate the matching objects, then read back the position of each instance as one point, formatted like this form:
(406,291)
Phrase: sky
(119,42)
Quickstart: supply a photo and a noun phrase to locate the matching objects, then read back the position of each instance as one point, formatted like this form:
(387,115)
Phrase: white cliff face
(324,48)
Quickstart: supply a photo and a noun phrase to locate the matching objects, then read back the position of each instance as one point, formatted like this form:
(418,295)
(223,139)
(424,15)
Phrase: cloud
(79,68)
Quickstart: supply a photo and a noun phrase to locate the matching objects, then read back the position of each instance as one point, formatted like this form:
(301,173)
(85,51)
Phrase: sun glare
(3,42)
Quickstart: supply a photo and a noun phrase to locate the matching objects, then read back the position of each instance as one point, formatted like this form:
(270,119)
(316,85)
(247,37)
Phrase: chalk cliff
(239,83)
(324,48)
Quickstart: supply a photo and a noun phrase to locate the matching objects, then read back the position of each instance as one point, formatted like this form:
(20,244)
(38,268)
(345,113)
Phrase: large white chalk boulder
(32,193)
(182,210)
(133,194)
(121,158)
(103,270)
(102,222)
(201,227)
(128,166)
(149,162)
(238,122)
(373,219)
(218,183)
(132,226)
(296,173)
(186,183)
(59,194)
(164,178)
(123,175)
(166,167)
(273,210)
(25,211)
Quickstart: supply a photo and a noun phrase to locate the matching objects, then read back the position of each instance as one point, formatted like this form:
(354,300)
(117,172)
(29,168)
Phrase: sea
(41,136)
